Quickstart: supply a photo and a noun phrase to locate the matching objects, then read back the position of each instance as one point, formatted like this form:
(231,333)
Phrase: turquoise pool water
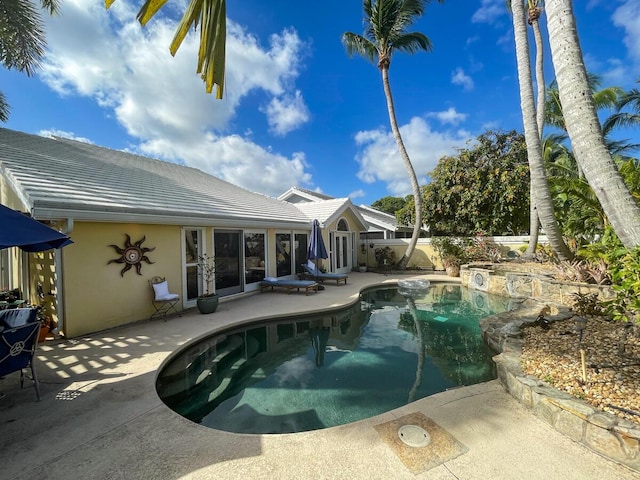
(316,371)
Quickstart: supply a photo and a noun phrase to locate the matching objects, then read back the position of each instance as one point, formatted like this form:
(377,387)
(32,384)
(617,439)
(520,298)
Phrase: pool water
(316,371)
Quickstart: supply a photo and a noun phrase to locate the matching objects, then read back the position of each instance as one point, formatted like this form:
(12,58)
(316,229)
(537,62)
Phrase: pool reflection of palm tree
(319,339)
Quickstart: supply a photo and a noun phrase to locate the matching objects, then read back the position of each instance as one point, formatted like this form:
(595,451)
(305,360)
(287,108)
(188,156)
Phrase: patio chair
(316,274)
(17,351)
(163,301)
(272,283)
(16,317)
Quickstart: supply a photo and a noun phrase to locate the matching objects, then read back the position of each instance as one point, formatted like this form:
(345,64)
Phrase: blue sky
(297,110)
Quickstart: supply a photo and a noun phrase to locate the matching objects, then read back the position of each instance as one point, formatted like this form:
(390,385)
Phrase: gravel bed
(553,355)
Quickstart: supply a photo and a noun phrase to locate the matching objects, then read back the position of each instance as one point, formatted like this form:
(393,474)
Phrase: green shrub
(385,256)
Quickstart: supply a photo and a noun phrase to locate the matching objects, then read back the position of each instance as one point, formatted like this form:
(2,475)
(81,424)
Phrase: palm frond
(149,9)
(211,16)
(412,42)
(4,108)
(359,45)
(22,42)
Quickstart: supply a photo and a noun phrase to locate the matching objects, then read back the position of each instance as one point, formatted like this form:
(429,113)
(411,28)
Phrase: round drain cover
(414,436)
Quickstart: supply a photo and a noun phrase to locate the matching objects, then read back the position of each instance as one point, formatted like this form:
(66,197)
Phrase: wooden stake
(584,365)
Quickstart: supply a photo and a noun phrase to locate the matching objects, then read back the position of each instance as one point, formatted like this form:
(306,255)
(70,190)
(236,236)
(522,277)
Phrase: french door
(342,249)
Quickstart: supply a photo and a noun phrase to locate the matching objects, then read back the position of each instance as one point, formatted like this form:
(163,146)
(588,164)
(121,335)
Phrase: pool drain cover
(414,436)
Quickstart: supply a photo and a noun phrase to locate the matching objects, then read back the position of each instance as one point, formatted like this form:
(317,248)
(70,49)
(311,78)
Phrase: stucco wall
(425,256)
(96,296)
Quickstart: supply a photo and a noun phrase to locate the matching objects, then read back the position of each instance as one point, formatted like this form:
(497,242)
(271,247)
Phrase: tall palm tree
(583,126)
(534,10)
(539,185)
(211,15)
(22,38)
(386,23)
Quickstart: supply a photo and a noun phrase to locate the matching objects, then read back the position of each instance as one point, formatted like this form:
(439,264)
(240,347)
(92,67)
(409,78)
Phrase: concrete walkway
(100,418)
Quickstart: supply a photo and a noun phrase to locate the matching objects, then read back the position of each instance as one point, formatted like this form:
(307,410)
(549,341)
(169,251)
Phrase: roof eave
(155,218)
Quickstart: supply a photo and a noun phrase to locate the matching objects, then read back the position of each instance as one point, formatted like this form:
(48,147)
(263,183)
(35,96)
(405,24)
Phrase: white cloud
(286,114)
(489,11)
(357,194)
(458,77)
(380,160)
(62,134)
(449,116)
(236,160)
(627,16)
(159,100)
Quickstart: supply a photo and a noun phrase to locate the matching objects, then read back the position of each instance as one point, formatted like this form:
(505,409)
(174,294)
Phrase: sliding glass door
(228,245)
(191,250)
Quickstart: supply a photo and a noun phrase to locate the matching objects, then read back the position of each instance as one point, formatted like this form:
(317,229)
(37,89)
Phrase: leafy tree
(484,188)
(22,39)
(389,204)
(211,16)
(386,23)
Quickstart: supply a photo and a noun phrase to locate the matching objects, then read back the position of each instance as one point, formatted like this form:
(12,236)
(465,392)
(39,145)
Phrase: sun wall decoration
(132,255)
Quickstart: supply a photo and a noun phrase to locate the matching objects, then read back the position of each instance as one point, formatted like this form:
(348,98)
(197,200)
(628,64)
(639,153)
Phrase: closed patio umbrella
(19,230)
(316,245)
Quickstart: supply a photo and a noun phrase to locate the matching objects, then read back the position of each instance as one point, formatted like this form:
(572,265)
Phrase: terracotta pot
(453,270)
(44,332)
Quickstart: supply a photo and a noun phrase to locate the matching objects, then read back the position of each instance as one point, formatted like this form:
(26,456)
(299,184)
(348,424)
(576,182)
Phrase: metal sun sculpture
(132,254)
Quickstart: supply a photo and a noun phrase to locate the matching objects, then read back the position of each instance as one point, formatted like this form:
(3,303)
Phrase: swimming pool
(316,371)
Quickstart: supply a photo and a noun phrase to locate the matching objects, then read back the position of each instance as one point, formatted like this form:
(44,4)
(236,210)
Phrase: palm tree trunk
(540,186)
(534,220)
(417,197)
(584,127)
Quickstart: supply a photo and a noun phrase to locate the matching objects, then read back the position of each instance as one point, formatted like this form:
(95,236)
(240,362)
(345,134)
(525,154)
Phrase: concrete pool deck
(100,418)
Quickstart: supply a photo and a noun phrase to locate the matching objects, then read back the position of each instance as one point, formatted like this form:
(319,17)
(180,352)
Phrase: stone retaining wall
(521,281)
(604,433)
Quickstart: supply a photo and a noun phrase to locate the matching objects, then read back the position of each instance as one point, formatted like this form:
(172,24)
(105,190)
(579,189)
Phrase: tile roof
(379,219)
(57,177)
(327,211)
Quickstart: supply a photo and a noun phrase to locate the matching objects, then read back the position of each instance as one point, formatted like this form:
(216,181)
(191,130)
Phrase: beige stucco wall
(95,295)
(425,256)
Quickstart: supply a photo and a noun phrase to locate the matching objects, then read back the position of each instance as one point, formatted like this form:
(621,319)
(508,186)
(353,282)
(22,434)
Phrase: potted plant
(451,263)
(207,302)
(362,267)
(452,254)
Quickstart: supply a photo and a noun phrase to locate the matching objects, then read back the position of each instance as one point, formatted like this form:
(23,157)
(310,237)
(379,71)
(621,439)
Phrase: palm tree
(22,39)
(211,15)
(386,23)
(583,125)
(625,119)
(540,191)
(534,9)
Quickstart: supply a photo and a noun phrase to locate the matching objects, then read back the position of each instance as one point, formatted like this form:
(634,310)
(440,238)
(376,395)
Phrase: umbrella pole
(320,286)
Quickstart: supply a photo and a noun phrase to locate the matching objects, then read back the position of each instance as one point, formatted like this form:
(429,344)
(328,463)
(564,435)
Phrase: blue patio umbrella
(19,230)
(316,245)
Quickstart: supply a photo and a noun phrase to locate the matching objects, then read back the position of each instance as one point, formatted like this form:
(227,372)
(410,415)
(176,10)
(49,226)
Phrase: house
(378,224)
(132,218)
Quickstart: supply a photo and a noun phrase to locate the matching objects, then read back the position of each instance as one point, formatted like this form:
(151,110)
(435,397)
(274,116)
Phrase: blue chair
(17,351)
(16,317)
(319,276)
